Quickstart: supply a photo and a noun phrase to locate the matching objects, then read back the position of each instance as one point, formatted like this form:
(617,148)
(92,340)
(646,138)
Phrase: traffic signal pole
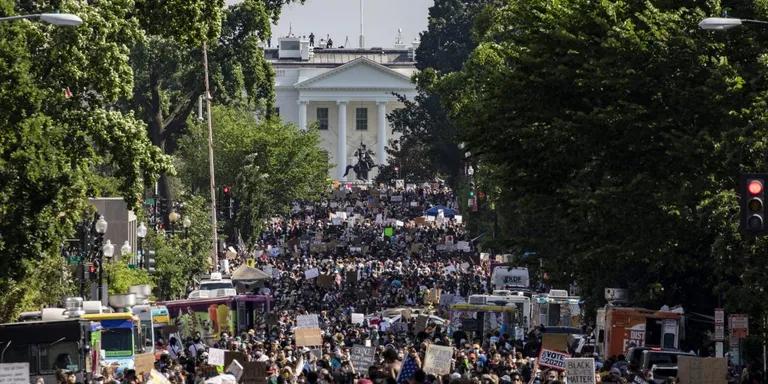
(214,225)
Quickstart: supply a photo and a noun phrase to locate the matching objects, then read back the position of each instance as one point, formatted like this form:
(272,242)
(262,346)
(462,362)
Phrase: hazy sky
(341,18)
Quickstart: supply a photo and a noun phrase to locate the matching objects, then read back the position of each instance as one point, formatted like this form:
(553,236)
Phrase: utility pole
(214,225)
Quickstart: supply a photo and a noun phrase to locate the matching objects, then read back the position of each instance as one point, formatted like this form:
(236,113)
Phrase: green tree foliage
(52,147)
(121,276)
(184,255)
(428,145)
(268,164)
(610,136)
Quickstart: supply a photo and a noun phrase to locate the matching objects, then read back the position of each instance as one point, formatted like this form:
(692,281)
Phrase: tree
(611,135)
(268,164)
(429,146)
(169,71)
(53,146)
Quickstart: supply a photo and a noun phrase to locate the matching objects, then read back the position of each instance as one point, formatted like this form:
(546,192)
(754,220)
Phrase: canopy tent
(447,212)
(249,275)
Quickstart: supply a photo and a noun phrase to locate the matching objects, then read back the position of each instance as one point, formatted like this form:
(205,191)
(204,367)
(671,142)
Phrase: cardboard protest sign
(580,371)
(351,277)
(701,370)
(14,373)
(311,273)
(458,219)
(215,356)
(155,377)
(437,360)
(420,220)
(308,337)
(421,323)
(307,321)
(230,356)
(552,359)
(145,362)
(235,369)
(555,341)
(362,357)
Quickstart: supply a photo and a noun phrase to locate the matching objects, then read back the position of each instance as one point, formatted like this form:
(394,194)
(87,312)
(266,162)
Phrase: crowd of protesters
(374,249)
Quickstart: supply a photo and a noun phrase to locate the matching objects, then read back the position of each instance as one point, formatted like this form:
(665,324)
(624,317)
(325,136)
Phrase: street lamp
(186,223)
(125,250)
(723,23)
(101,225)
(141,233)
(173,217)
(61,19)
(108,250)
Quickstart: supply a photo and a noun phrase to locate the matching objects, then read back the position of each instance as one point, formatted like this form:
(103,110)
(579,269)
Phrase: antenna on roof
(399,39)
(290,29)
(362,31)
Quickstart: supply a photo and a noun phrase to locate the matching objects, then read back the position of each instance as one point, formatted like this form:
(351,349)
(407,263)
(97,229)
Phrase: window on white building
(322,118)
(361,119)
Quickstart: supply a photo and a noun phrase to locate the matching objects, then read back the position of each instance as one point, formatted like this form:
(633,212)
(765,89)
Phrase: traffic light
(753,212)
(150,261)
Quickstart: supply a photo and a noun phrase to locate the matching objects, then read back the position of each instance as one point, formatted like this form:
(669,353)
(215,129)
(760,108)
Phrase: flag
(407,370)
(67,93)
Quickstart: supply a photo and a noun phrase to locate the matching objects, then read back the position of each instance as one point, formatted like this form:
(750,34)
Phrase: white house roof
(359,73)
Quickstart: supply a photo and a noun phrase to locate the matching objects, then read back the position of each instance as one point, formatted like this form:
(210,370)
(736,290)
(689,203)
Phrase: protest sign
(389,231)
(235,369)
(311,273)
(230,356)
(14,373)
(325,281)
(358,318)
(463,246)
(215,356)
(552,359)
(433,296)
(701,370)
(155,377)
(351,277)
(399,184)
(420,220)
(307,321)
(421,323)
(437,360)
(362,357)
(396,198)
(144,362)
(555,341)
(580,371)
(458,219)
(308,337)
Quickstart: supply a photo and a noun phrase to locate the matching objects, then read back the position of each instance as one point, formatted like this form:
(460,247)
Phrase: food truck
(620,328)
(213,316)
(556,309)
(486,319)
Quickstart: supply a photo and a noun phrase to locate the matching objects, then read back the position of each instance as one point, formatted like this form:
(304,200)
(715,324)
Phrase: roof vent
(92,307)
(122,303)
(52,314)
(74,307)
(558,293)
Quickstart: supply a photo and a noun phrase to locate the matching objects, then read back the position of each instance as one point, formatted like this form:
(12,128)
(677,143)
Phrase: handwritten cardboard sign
(308,337)
(437,360)
(14,373)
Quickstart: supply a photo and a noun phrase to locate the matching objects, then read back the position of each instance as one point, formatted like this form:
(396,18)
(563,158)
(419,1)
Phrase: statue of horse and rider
(364,163)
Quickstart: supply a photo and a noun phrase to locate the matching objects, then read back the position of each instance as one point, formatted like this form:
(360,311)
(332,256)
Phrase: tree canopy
(609,137)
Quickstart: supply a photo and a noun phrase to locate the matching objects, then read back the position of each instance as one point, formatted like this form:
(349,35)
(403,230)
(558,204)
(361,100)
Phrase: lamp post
(141,233)
(60,19)
(186,223)
(125,249)
(173,217)
(721,24)
(100,226)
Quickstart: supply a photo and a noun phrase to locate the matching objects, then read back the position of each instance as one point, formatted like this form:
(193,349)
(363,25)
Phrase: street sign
(739,325)
(719,324)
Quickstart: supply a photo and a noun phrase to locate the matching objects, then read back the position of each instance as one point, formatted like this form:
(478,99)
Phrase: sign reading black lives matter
(580,371)
(552,359)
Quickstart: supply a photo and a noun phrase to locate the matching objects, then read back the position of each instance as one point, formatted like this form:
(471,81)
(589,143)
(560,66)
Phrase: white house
(320,85)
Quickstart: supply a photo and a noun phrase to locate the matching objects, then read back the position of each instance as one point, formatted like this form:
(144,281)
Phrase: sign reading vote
(552,359)
(362,357)
(580,371)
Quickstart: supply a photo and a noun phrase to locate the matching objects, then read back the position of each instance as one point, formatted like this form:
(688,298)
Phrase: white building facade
(346,93)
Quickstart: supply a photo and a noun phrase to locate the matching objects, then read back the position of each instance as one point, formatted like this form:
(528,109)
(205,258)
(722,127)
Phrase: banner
(502,277)
(580,371)
(358,318)
(437,360)
(311,273)
(307,321)
(552,359)
(362,358)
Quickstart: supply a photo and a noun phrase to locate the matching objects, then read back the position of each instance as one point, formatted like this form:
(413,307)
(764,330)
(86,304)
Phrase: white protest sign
(437,360)
(311,273)
(396,198)
(14,373)
(580,371)
(235,368)
(358,318)
(399,183)
(414,204)
(463,246)
(307,321)
(215,356)
(458,219)
(399,223)
(552,359)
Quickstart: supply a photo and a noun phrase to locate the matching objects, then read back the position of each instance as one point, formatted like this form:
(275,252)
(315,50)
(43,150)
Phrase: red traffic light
(226,189)
(755,187)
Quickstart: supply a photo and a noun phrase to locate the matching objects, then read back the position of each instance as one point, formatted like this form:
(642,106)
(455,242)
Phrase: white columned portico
(341,152)
(381,137)
(302,115)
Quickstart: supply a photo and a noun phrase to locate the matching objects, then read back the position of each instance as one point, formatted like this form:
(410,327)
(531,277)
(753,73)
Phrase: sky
(341,18)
